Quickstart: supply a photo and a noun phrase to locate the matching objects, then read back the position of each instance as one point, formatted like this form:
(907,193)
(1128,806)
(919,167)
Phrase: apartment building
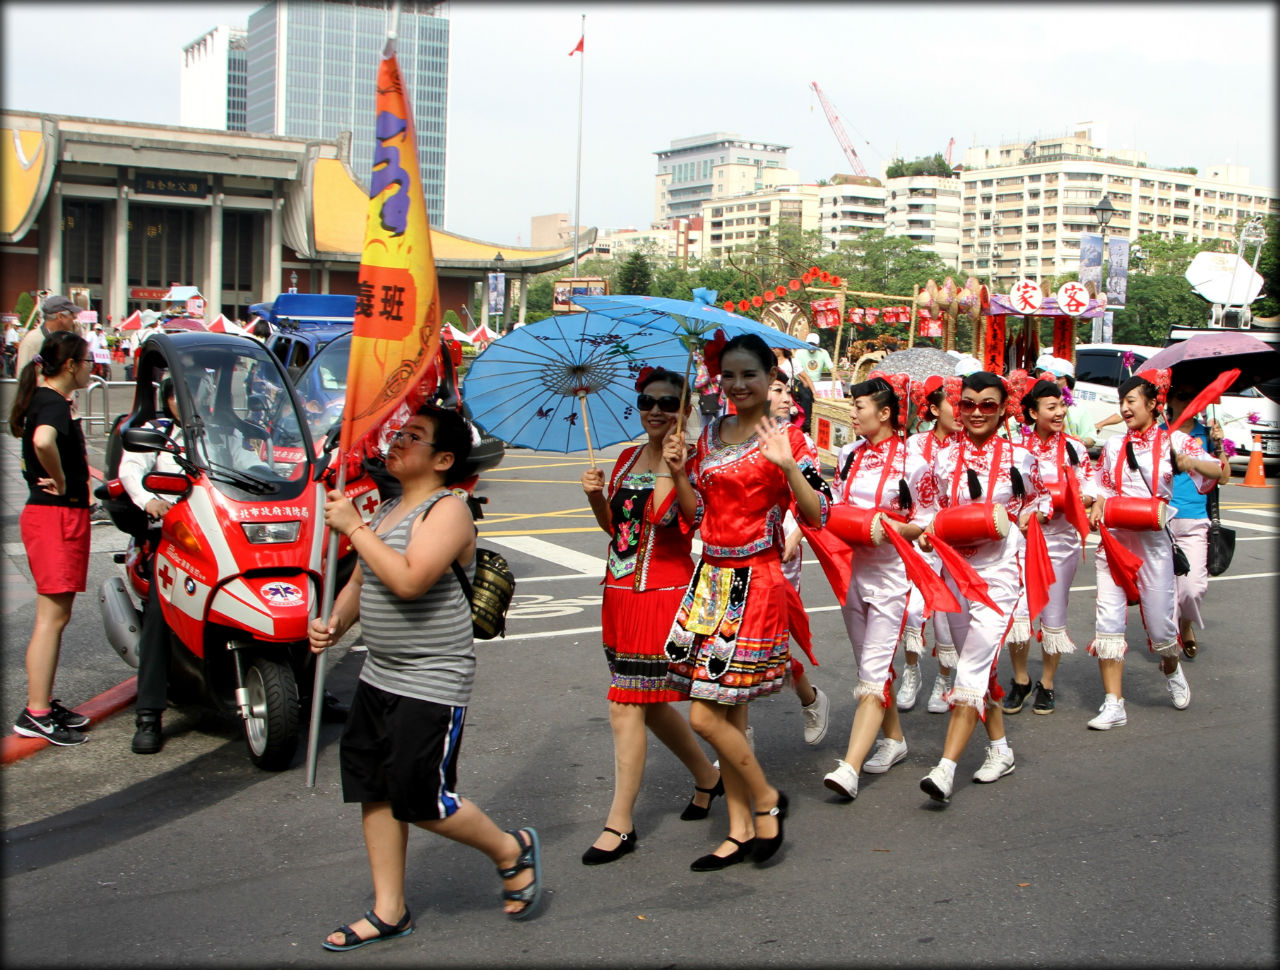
(742,220)
(848,206)
(926,209)
(1026,204)
(678,241)
(701,168)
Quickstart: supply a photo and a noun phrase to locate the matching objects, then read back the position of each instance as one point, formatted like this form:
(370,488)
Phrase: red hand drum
(1135,513)
(1057,494)
(857,527)
(967,525)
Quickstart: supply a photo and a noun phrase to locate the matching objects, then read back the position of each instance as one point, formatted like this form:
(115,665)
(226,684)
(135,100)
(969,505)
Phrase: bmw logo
(190,586)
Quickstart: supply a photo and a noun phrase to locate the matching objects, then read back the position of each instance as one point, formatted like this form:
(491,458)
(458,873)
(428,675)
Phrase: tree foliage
(634,275)
(935,164)
(1268,305)
(23,306)
(1155,304)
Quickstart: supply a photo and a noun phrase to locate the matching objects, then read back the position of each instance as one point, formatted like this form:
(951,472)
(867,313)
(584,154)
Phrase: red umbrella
(132,322)
(182,323)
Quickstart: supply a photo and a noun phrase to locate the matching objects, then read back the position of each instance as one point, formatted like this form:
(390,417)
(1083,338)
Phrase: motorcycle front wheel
(272,729)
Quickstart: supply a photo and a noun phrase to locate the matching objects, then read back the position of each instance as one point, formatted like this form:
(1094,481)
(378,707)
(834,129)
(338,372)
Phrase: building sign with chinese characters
(187,186)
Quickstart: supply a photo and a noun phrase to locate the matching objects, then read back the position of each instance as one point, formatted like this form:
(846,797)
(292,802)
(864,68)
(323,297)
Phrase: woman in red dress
(728,644)
(649,567)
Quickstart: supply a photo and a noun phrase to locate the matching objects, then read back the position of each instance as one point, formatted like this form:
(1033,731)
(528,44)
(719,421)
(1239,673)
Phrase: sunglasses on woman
(668,404)
(982,407)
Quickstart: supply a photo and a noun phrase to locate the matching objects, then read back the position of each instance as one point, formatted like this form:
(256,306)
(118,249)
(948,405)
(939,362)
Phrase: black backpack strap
(462,578)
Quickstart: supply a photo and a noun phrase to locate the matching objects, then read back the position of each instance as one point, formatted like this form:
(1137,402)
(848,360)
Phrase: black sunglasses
(668,403)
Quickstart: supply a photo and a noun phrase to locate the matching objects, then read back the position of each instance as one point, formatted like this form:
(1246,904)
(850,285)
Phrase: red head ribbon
(1159,376)
(643,376)
(711,352)
(901,385)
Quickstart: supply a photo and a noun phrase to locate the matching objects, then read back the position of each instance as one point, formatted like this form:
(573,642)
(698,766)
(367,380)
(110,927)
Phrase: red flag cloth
(1123,564)
(1038,574)
(578,47)
(936,593)
(798,621)
(1075,512)
(396,337)
(1209,395)
(835,557)
(971,585)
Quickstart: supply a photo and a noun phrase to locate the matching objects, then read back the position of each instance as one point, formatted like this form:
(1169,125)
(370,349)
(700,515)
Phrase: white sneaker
(843,781)
(816,716)
(751,743)
(1179,689)
(940,686)
(887,754)
(909,687)
(998,764)
(937,784)
(1110,714)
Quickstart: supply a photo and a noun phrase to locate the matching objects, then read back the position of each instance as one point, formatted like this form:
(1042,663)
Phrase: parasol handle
(586,428)
(684,391)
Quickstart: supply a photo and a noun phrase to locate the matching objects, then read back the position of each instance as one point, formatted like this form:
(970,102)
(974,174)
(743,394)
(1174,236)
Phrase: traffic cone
(1253,476)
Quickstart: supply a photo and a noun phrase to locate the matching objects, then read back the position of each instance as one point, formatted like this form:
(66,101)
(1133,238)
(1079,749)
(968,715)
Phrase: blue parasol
(566,383)
(695,319)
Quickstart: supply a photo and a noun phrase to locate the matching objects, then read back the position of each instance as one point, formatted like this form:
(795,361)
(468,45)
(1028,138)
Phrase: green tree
(634,275)
(452,318)
(876,263)
(935,164)
(537,304)
(1164,257)
(1268,305)
(1155,304)
(23,307)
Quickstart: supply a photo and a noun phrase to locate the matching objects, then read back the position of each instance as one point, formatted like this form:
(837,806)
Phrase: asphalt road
(1152,844)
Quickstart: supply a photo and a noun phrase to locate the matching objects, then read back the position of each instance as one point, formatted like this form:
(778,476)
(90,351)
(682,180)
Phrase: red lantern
(836,281)
(757,301)
(814,270)
(743,306)
(779,291)
(806,279)
(729,305)
(824,276)
(794,285)
(768,296)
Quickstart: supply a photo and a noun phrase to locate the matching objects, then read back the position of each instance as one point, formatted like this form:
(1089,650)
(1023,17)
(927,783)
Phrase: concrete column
(51,241)
(212,289)
(483,286)
(324,277)
(116,277)
(524,290)
(273,258)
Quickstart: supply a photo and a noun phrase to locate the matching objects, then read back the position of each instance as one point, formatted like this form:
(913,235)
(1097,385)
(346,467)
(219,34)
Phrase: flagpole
(577,186)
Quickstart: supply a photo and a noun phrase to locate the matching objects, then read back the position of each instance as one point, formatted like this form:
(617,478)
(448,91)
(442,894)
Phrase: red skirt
(57,542)
(635,627)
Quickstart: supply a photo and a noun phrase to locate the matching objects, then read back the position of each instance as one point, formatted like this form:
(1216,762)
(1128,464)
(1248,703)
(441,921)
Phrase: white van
(1100,371)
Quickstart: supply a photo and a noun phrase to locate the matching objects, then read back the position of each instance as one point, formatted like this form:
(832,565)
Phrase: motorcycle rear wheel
(273,727)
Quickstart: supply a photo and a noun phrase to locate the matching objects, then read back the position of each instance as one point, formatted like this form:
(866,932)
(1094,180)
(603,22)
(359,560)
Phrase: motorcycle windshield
(244,429)
(322,387)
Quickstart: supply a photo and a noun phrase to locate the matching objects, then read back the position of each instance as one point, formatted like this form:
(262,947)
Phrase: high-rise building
(212,84)
(696,170)
(926,209)
(313,69)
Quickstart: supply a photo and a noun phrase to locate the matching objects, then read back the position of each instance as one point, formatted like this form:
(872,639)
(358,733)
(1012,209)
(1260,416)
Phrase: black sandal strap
(523,861)
(738,842)
(383,928)
(622,835)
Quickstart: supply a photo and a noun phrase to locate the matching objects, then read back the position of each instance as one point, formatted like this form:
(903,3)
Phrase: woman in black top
(55,520)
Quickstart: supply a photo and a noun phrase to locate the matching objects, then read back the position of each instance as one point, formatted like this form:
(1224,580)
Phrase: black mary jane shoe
(714,863)
(765,848)
(696,813)
(598,857)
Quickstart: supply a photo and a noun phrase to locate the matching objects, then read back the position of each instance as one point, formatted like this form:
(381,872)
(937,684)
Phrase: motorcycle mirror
(144,439)
(326,452)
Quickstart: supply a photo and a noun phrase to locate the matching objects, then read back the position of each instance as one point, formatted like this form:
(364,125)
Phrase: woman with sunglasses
(981,467)
(728,644)
(1057,454)
(648,568)
(55,520)
(878,473)
(1141,463)
(931,403)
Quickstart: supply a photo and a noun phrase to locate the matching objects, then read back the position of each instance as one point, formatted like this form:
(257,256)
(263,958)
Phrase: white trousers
(979,631)
(1157,602)
(1193,537)
(874,611)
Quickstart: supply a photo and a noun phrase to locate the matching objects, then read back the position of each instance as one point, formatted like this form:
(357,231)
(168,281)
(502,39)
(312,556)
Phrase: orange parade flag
(397,321)
(578,47)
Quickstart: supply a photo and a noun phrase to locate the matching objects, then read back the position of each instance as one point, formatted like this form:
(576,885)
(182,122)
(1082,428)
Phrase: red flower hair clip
(643,376)
(1160,377)
(901,385)
(954,386)
(711,352)
(1015,385)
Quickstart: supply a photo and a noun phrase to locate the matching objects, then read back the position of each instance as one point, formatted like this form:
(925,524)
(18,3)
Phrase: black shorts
(404,751)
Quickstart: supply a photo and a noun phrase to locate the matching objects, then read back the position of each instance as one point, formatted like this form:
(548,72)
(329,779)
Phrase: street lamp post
(1103,212)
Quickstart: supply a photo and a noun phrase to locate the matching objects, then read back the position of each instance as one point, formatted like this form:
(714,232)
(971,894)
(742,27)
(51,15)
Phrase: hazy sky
(1190,84)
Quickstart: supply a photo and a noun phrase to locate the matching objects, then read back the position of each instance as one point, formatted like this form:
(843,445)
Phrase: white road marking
(1262,513)
(1256,526)
(532,546)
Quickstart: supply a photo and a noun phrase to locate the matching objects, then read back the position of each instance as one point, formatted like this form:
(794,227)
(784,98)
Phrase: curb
(15,747)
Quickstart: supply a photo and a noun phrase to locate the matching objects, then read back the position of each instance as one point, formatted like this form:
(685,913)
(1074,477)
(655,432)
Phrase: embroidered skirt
(729,641)
(635,627)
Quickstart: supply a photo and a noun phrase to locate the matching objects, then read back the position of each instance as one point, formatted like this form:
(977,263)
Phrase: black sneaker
(1016,697)
(98,515)
(65,716)
(1044,699)
(149,736)
(30,726)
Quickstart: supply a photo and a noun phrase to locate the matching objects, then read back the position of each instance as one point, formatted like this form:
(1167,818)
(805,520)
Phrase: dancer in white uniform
(1056,453)
(981,467)
(876,472)
(933,401)
(1148,445)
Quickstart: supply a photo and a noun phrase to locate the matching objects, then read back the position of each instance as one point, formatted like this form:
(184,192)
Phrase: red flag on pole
(1039,575)
(1122,563)
(578,48)
(971,585)
(936,593)
(1209,395)
(397,320)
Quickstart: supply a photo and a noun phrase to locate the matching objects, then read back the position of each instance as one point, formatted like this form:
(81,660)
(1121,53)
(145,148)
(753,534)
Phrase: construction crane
(950,145)
(834,120)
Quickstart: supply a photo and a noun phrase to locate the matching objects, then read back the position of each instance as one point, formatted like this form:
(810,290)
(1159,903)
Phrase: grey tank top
(421,648)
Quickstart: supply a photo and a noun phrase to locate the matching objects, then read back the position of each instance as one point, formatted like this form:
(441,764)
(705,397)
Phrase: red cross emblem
(166,577)
(370,504)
